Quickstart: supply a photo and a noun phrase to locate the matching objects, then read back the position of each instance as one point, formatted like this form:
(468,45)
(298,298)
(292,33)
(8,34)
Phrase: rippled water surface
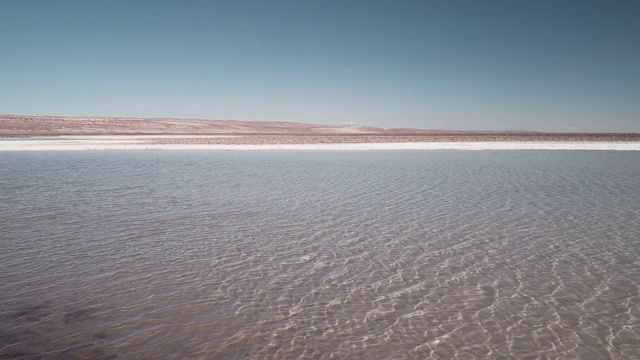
(275,255)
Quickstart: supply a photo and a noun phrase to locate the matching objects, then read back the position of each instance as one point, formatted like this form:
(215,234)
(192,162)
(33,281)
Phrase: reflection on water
(320,255)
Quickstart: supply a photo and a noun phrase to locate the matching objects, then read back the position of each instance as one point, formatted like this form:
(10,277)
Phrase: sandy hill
(18,125)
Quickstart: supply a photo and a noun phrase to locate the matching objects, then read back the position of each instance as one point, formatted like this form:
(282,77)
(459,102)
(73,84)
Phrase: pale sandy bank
(73,143)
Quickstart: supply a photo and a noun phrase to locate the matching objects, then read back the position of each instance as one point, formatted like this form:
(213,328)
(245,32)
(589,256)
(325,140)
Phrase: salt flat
(54,133)
(179,142)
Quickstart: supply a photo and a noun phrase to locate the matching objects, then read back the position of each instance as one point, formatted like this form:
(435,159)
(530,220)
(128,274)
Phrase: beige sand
(23,133)
(210,143)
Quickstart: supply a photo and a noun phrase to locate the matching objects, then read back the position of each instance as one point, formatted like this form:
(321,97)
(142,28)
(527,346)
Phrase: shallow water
(388,255)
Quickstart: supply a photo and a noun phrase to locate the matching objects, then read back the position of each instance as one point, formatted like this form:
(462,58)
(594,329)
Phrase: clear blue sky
(495,65)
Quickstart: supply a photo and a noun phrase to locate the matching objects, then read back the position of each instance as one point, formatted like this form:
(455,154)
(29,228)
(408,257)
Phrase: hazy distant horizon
(551,66)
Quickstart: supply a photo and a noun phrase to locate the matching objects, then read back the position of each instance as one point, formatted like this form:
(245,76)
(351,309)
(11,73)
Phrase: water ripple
(444,255)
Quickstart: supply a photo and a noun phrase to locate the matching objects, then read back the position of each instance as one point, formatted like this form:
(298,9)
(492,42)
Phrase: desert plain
(45,133)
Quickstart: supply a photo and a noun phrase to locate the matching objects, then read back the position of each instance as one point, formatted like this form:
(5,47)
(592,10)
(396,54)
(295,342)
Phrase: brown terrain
(262,132)
(17,125)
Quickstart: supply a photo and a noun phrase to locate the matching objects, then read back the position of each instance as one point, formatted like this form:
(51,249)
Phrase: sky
(458,65)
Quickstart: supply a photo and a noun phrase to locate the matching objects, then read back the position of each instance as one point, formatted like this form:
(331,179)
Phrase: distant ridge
(35,125)
(28,125)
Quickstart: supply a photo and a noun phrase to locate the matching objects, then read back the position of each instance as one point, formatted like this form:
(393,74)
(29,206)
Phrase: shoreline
(299,143)
(56,133)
